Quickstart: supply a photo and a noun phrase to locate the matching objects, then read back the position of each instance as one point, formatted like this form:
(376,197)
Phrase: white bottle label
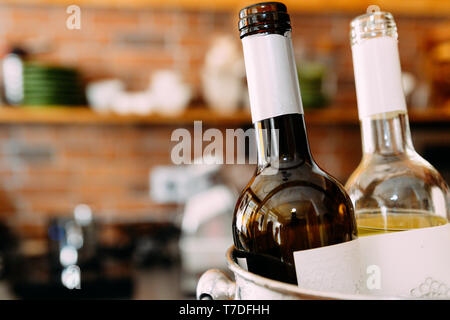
(376,64)
(271,76)
(407,264)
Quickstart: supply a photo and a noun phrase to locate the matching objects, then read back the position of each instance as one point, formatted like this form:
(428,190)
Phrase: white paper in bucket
(407,264)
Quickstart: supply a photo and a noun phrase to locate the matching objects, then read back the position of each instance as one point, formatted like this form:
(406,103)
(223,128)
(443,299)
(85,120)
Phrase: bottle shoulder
(308,184)
(407,181)
(306,173)
(291,210)
(382,168)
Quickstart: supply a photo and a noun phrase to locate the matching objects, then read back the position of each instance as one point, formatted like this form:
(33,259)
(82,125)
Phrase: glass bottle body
(394,188)
(290,204)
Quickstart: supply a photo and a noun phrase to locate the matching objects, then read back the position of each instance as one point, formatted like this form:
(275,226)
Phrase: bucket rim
(290,289)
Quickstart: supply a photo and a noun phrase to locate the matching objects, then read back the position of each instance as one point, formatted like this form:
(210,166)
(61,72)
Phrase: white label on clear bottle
(407,264)
(271,76)
(378,81)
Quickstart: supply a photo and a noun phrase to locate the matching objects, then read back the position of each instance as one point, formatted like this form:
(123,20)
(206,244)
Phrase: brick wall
(131,44)
(47,169)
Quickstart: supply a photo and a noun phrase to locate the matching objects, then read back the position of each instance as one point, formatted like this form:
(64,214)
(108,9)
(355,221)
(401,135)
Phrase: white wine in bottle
(290,204)
(393,188)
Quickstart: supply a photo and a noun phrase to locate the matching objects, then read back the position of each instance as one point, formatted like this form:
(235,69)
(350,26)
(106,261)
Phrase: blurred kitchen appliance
(206,219)
(205,233)
(66,263)
(13,75)
(73,244)
(176,184)
(223,74)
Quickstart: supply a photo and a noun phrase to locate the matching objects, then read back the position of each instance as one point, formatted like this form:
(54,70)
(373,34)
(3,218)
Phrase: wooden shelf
(349,116)
(410,7)
(86,116)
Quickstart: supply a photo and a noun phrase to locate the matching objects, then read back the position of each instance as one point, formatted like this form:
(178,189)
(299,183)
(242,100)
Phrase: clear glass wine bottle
(393,188)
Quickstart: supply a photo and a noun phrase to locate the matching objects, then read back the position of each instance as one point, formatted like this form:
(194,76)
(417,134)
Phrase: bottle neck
(386,134)
(282,142)
(275,101)
(381,101)
(272,77)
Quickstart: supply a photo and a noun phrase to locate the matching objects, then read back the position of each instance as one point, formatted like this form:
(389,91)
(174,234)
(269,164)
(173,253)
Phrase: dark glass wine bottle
(290,204)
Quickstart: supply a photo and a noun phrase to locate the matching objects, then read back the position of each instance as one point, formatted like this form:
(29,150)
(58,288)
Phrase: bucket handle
(215,285)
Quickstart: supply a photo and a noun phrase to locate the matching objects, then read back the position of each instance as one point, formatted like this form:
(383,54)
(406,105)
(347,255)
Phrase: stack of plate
(51,85)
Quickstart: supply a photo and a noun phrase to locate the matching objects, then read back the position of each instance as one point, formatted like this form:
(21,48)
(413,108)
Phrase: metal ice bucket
(215,284)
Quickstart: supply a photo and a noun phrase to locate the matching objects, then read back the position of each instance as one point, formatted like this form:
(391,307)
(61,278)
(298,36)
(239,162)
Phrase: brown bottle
(290,204)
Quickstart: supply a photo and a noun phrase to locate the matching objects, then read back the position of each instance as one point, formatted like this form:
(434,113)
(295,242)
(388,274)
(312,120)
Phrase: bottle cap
(374,23)
(265,17)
